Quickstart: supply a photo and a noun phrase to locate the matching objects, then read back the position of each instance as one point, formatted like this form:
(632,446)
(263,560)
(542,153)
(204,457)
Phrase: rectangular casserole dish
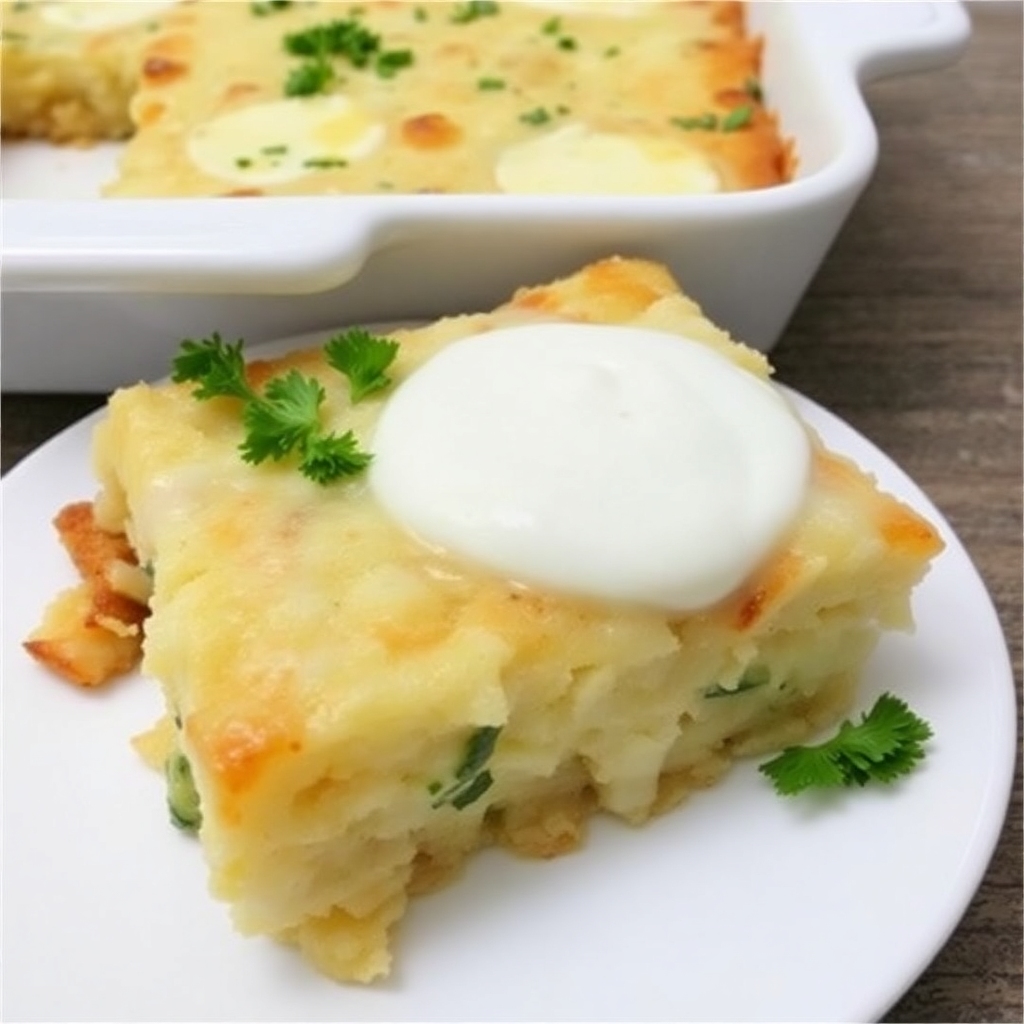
(98,292)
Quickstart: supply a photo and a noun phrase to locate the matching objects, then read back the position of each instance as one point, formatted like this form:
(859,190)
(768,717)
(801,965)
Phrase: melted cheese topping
(91,17)
(618,463)
(270,143)
(576,159)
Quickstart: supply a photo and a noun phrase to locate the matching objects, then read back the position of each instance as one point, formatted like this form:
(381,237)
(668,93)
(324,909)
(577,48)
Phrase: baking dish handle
(274,246)
(876,38)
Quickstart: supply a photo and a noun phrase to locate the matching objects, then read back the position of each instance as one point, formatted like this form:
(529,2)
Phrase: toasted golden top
(251,99)
(287,615)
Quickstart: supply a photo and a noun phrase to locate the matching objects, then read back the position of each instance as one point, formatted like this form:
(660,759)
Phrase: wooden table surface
(911,333)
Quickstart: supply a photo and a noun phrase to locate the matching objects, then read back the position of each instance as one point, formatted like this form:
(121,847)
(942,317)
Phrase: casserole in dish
(98,292)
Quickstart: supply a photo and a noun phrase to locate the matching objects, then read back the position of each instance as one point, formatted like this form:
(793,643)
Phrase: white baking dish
(98,292)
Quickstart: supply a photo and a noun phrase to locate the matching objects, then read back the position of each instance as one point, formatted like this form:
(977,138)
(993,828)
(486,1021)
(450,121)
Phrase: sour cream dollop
(624,464)
(97,15)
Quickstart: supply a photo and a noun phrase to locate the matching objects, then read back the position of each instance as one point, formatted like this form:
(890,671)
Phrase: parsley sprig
(363,358)
(284,418)
(887,743)
(343,37)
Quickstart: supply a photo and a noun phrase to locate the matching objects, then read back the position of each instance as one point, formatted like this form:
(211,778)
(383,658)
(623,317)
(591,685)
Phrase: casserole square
(337,688)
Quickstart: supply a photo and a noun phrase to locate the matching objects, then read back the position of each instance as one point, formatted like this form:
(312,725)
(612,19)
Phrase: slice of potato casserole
(360,706)
(69,70)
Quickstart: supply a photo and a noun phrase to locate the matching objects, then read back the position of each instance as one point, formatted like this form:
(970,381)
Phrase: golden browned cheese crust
(646,96)
(326,674)
(93,632)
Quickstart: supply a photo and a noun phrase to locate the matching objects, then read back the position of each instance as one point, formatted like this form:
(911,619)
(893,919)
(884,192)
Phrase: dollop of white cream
(95,15)
(276,142)
(575,159)
(617,463)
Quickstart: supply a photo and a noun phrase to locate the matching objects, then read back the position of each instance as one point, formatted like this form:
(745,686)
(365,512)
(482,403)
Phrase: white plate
(739,906)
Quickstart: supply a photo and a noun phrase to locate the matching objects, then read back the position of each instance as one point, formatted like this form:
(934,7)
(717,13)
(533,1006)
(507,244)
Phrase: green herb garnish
(738,117)
(309,78)
(701,122)
(490,84)
(474,9)
(182,796)
(553,27)
(264,7)
(217,367)
(284,419)
(242,162)
(340,38)
(472,780)
(323,163)
(752,87)
(887,743)
(755,677)
(537,116)
(363,358)
(389,63)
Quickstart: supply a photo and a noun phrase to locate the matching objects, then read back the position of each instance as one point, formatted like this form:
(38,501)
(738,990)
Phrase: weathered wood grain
(912,333)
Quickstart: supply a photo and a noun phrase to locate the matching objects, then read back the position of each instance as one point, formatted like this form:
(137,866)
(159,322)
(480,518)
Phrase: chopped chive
(537,116)
(472,10)
(264,7)
(702,122)
(738,117)
(324,162)
(392,61)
